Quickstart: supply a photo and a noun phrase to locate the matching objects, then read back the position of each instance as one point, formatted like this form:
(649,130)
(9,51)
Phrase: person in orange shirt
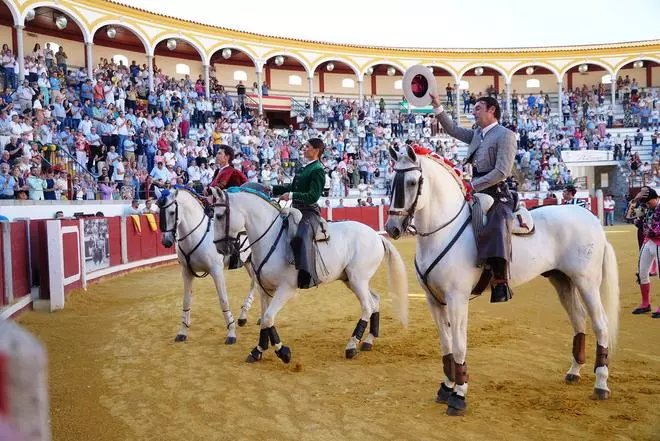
(99,93)
(216,139)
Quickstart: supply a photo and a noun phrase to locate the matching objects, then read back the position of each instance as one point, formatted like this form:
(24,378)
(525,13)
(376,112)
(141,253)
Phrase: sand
(115,372)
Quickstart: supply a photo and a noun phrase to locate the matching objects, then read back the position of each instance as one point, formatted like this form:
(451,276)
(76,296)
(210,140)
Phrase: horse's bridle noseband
(410,213)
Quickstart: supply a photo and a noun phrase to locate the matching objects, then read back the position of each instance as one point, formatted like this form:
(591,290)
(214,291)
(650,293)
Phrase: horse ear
(411,154)
(157,192)
(394,154)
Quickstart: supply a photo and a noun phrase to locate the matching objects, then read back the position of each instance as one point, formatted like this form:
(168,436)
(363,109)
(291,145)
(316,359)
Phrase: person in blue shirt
(7,183)
(87,90)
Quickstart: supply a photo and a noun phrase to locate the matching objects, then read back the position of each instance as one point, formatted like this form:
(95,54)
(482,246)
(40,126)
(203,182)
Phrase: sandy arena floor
(116,373)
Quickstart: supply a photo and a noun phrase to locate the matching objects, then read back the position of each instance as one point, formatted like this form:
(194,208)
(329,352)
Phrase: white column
(207,82)
(90,60)
(360,93)
(457,106)
(311,96)
(20,53)
(507,89)
(613,90)
(260,93)
(560,98)
(150,67)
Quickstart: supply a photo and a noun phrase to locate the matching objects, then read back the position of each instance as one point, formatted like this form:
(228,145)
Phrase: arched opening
(278,72)
(380,80)
(225,63)
(171,51)
(58,28)
(547,80)
(182,69)
(328,78)
(485,80)
(120,60)
(583,78)
(533,83)
(645,72)
(118,42)
(348,83)
(444,80)
(295,80)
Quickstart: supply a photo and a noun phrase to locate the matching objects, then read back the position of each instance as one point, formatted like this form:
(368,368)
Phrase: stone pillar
(20,53)
(457,106)
(150,67)
(207,82)
(507,89)
(613,90)
(260,93)
(90,60)
(560,97)
(311,96)
(360,93)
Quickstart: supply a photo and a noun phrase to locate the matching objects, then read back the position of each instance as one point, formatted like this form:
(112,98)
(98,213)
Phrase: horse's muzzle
(167,243)
(392,230)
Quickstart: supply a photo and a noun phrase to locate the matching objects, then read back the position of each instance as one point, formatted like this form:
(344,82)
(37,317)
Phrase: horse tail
(609,292)
(398,281)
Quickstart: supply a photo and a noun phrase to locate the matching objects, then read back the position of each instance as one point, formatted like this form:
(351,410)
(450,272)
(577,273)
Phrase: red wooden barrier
(114,231)
(324,213)
(2,272)
(133,241)
(370,216)
(19,259)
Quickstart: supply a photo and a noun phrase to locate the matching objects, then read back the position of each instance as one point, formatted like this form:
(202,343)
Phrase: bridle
(409,214)
(163,228)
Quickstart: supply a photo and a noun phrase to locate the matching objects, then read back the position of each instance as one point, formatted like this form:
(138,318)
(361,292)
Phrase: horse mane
(448,166)
(196,196)
(259,194)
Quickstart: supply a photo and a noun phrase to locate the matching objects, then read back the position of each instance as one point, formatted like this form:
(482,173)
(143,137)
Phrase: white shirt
(487,129)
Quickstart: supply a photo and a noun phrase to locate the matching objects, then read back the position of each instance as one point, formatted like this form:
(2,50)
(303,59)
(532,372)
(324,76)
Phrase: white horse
(182,220)
(352,254)
(568,246)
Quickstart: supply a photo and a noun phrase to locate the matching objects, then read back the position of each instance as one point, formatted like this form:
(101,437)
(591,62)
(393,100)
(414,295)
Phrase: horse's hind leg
(221,289)
(374,324)
(182,335)
(457,307)
(570,300)
(590,293)
(441,319)
(363,293)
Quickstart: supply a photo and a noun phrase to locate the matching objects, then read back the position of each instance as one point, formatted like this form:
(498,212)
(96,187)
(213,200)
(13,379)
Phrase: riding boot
(305,256)
(499,289)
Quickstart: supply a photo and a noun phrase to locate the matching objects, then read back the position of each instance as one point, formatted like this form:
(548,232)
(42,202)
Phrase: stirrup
(500,291)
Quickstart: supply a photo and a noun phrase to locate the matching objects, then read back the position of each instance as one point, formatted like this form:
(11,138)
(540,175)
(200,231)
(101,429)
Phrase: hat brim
(419,98)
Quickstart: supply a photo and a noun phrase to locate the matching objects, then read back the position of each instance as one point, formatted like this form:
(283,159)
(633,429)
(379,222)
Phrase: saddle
(523,224)
(294,216)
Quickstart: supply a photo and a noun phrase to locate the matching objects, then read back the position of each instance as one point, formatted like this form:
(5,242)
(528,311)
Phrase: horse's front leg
(182,335)
(257,352)
(361,289)
(282,295)
(247,304)
(221,289)
(441,319)
(457,306)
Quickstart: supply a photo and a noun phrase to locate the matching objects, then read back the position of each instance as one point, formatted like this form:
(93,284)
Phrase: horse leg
(590,293)
(457,305)
(363,293)
(374,324)
(282,295)
(441,319)
(182,335)
(221,289)
(257,352)
(245,307)
(577,315)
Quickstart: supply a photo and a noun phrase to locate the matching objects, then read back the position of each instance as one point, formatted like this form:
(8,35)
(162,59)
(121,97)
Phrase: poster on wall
(97,252)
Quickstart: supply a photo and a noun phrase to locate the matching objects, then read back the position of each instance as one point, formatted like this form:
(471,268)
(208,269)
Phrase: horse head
(406,191)
(168,215)
(229,222)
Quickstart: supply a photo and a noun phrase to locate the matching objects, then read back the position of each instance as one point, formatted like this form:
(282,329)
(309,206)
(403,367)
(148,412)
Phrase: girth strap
(257,271)
(425,275)
(189,255)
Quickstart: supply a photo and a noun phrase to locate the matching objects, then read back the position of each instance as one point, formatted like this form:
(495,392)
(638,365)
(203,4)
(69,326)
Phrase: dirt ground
(116,373)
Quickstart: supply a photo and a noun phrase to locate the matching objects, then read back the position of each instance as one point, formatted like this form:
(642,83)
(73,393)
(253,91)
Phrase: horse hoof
(284,354)
(572,379)
(255,355)
(242,322)
(351,353)
(443,394)
(600,394)
(180,338)
(258,322)
(230,340)
(366,346)
(456,405)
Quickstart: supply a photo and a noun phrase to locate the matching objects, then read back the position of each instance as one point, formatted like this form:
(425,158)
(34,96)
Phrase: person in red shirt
(227,176)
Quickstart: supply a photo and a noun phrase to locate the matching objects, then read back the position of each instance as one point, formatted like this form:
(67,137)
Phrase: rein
(234,241)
